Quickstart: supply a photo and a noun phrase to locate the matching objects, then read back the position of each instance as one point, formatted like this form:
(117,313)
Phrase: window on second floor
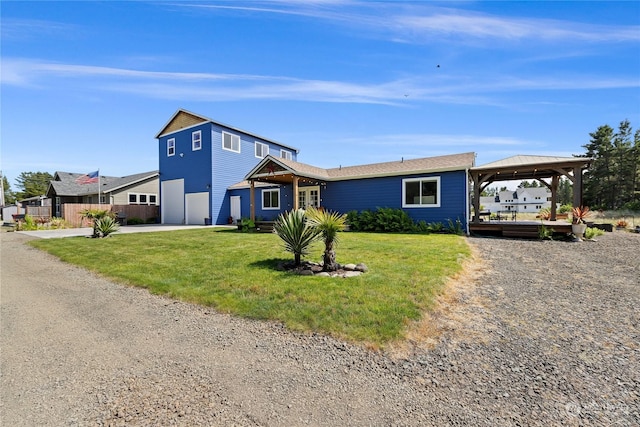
(285,154)
(196,140)
(261,150)
(271,199)
(230,142)
(171,147)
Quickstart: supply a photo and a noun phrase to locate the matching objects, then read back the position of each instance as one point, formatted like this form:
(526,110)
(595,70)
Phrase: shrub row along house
(213,173)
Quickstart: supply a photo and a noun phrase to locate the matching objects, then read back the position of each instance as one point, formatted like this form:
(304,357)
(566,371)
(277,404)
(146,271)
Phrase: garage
(172,202)
(197,208)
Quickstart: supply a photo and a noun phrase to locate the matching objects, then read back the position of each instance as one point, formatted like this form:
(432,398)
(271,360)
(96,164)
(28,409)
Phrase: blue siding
(286,202)
(230,168)
(371,193)
(192,166)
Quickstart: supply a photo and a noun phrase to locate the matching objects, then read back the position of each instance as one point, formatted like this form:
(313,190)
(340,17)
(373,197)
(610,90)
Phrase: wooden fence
(38,211)
(71,212)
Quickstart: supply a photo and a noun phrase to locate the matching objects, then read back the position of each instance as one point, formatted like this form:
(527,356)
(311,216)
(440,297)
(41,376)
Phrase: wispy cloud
(413,22)
(459,24)
(197,86)
(21,29)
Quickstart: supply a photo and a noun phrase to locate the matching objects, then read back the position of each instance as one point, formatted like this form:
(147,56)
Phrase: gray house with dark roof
(137,189)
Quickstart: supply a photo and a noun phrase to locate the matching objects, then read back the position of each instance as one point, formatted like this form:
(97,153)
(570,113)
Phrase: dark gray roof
(65,183)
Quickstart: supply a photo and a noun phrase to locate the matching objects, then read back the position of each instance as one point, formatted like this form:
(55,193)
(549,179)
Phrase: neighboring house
(199,159)
(137,189)
(530,199)
(210,171)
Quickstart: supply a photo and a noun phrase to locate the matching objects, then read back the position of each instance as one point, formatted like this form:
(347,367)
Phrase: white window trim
(425,178)
(285,154)
(264,149)
(232,138)
(137,202)
(197,139)
(270,190)
(171,145)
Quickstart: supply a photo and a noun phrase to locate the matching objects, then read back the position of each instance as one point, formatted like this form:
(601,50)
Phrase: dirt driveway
(547,334)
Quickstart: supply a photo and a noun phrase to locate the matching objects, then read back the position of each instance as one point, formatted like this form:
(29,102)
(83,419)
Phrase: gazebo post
(554,196)
(476,197)
(295,192)
(577,186)
(252,200)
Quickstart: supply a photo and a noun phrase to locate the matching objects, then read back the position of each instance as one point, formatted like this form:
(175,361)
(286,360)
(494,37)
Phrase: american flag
(89,178)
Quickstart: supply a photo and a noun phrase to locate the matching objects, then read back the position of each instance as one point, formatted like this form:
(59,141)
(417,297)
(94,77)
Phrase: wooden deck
(525,229)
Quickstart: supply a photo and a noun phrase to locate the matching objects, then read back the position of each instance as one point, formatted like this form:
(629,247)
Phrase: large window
(271,199)
(261,150)
(196,140)
(421,192)
(285,154)
(171,147)
(230,142)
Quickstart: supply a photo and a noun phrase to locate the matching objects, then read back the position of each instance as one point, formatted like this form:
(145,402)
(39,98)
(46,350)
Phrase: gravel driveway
(543,333)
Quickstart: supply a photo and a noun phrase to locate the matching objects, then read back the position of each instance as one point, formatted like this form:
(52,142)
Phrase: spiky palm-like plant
(105,226)
(329,224)
(296,233)
(94,215)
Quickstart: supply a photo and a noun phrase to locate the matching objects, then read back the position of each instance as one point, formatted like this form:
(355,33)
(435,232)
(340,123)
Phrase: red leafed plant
(579,214)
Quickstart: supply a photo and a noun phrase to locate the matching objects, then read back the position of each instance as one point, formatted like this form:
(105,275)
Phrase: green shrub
(565,208)
(152,220)
(385,220)
(104,226)
(455,227)
(592,232)
(134,221)
(545,233)
(26,224)
(58,223)
(435,227)
(246,224)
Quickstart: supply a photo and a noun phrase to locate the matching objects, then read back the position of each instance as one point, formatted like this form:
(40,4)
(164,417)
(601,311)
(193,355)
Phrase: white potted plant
(578,216)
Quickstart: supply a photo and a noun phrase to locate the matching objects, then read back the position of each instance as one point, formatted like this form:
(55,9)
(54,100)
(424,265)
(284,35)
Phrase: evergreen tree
(565,192)
(32,184)
(613,180)
(9,197)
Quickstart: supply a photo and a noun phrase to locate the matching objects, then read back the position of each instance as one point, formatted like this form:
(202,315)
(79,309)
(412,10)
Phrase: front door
(235,208)
(308,196)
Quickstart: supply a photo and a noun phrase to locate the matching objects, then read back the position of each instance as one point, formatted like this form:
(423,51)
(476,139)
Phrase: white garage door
(172,202)
(197,208)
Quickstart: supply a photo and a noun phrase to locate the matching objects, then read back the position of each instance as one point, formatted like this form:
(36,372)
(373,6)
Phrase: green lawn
(234,272)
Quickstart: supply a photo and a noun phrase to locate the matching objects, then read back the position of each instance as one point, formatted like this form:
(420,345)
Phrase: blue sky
(87,85)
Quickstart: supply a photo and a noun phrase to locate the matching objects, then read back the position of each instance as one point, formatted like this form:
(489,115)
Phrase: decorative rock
(306,273)
(362,267)
(351,273)
(323,274)
(350,267)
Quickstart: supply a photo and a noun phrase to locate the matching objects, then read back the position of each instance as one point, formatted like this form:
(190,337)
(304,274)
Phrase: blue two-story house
(212,170)
(199,158)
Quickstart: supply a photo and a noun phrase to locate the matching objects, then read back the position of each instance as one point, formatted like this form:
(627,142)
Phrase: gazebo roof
(530,167)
